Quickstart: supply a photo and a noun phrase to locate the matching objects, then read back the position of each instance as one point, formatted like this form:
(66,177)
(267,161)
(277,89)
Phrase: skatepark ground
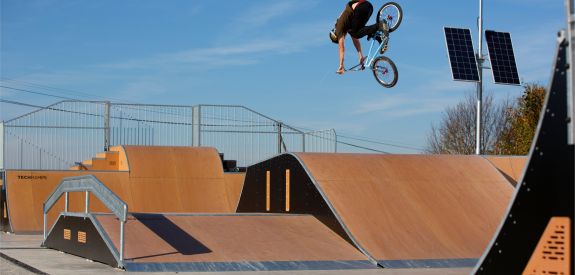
(20,254)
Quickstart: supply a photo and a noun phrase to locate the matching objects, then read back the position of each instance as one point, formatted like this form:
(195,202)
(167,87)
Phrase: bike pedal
(383,49)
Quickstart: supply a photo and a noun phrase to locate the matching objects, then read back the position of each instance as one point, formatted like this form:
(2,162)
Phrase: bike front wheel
(385,71)
(392,13)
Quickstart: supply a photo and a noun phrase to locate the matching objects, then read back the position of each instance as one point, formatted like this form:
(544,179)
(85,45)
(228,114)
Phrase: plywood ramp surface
(511,166)
(234,185)
(401,207)
(177,179)
(28,190)
(160,179)
(228,238)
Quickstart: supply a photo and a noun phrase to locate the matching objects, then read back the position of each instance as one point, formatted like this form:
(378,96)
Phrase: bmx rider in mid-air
(353,20)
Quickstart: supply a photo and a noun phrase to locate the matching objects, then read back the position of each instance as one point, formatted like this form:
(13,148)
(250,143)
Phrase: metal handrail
(89,184)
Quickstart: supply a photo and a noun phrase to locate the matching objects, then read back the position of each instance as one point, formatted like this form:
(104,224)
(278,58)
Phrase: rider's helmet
(333,36)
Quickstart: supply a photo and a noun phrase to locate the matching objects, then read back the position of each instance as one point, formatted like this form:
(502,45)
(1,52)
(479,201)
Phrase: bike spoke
(388,15)
(385,73)
(391,14)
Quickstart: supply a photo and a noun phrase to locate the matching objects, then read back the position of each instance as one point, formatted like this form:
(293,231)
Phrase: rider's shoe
(383,48)
(333,37)
(384,27)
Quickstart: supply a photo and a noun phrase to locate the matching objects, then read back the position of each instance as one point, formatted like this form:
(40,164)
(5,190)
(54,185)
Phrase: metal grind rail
(89,184)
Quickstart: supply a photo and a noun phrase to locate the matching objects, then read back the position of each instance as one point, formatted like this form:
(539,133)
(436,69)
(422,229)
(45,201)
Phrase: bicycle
(383,68)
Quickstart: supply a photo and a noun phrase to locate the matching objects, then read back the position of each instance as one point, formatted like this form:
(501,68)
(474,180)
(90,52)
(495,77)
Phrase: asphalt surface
(22,254)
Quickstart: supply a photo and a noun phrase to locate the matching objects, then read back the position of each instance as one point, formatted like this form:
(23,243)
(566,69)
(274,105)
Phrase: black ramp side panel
(4,222)
(546,189)
(304,196)
(94,247)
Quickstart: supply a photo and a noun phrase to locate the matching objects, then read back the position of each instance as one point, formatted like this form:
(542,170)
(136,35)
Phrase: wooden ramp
(149,179)
(510,166)
(177,243)
(400,210)
(312,211)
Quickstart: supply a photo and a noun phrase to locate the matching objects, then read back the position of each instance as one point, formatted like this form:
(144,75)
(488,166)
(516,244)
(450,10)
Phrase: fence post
(21,154)
(279,124)
(303,142)
(335,140)
(2,147)
(196,126)
(107,126)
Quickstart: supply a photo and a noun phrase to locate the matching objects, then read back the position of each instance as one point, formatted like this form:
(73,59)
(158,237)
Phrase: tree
(516,139)
(507,128)
(456,132)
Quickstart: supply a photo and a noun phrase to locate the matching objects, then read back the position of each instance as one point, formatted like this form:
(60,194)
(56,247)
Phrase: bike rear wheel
(392,13)
(385,71)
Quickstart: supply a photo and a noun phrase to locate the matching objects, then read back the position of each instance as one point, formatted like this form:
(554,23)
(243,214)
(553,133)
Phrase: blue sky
(272,56)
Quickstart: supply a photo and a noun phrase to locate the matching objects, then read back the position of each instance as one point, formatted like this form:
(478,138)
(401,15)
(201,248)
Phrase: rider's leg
(361,15)
(367,30)
(357,45)
(371,30)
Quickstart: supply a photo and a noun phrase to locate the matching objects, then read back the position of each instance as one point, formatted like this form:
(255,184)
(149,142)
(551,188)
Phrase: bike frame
(372,54)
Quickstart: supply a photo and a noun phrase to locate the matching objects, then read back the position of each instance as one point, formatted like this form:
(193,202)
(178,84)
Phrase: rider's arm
(341,46)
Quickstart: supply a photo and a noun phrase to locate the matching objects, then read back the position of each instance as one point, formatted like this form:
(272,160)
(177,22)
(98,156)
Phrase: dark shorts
(353,21)
(361,15)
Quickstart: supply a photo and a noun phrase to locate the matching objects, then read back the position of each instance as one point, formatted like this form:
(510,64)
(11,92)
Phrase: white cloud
(294,38)
(432,97)
(265,13)
(401,105)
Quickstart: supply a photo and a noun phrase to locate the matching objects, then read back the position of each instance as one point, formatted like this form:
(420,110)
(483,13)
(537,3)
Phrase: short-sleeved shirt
(351,20)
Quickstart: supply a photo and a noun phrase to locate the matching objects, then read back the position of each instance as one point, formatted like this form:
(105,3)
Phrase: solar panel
(461,55)
(502,58)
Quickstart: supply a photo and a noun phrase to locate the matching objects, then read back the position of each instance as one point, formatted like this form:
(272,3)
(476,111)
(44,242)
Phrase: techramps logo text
(20,177)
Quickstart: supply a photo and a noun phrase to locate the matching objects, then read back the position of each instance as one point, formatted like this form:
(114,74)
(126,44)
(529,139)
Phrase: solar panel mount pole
(480,83)
(570,77)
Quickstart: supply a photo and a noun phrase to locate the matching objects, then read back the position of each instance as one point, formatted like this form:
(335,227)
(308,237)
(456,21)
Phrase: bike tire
(392,13)
(385,71)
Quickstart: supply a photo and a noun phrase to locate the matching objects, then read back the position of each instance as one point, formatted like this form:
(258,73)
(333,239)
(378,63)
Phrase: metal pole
(303,142)
(121,242)
(2,145)
(87,209)
(66,203)
(44,210)
(196,126)
(107,126)
(480,84)
(122,239)
(335,141)
(279,137)
(570,77)
(21,154)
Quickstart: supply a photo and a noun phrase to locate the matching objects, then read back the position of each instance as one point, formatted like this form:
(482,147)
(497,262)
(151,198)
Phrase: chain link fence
(57,136)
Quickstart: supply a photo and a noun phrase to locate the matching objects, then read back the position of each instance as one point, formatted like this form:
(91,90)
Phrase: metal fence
(58,136)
